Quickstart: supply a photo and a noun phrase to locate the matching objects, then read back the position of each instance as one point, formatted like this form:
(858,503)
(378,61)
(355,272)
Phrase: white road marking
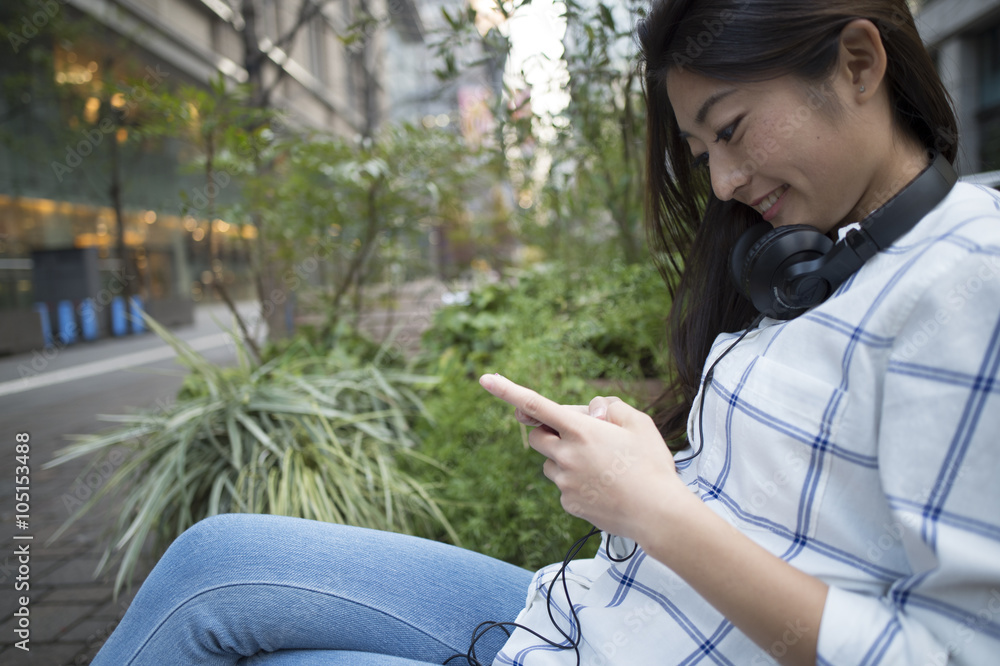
(85,370)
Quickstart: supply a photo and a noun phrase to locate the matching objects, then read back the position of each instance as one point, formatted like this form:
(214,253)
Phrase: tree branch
(308,10)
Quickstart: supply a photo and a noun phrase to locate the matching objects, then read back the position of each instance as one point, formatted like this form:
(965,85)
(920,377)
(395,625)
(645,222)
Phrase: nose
(728,176)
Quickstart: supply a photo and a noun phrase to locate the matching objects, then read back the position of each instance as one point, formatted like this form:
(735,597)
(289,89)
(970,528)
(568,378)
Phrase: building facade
(67,175)
(964,37)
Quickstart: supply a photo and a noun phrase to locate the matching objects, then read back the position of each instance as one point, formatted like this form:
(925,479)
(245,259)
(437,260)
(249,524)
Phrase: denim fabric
(270,590)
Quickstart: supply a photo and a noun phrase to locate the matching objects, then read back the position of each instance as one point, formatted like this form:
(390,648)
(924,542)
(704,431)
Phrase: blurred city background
(172,151)
(334,214)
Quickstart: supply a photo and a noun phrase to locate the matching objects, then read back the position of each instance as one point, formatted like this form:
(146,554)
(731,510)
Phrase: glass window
(989,67)
(317,50)
(989,98)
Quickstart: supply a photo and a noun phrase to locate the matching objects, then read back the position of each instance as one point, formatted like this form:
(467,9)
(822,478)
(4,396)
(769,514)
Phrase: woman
(837,504)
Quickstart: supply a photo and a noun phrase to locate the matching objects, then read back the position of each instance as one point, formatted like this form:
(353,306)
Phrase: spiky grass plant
(302,435)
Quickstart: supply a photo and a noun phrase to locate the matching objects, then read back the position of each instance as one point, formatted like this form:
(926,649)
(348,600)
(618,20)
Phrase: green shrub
(305,434)
(567,334)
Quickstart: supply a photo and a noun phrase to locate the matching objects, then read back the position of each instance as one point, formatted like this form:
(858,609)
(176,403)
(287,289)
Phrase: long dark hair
(690,231)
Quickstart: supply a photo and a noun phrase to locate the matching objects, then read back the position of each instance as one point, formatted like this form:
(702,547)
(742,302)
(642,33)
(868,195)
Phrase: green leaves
(569,334)
(305,435)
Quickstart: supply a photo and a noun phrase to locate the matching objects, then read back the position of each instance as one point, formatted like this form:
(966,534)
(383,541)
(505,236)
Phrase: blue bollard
(43,313)
(88,319)
(138,325)
(67,322)
(119,325)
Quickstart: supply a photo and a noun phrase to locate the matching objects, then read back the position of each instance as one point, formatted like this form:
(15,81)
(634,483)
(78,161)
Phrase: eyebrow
(707,106)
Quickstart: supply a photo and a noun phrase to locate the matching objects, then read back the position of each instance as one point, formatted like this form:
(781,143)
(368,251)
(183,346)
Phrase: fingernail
(600,412)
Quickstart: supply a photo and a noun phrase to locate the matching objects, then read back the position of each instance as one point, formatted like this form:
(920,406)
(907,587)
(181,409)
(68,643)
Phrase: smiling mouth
(771,199)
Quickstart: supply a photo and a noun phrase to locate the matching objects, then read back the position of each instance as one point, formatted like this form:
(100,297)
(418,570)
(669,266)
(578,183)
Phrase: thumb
(598,407)
(622,414)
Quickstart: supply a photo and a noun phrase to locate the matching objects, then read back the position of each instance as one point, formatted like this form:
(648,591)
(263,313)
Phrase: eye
(727,133)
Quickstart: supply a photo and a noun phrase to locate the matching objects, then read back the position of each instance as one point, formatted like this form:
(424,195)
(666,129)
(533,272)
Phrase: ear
(862,61)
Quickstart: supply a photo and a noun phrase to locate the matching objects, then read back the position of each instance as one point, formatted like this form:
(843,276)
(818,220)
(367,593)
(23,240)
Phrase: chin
(788,218)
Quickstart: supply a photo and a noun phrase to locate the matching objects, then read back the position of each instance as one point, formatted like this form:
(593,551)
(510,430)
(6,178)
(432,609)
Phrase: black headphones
(784,271)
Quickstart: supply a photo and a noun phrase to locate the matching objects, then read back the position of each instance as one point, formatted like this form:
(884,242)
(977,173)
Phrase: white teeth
(772,199)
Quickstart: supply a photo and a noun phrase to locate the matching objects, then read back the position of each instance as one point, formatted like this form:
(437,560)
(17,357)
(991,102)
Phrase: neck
(902,164)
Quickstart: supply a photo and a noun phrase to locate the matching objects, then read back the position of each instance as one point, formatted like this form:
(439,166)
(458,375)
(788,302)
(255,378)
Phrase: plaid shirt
(859,442)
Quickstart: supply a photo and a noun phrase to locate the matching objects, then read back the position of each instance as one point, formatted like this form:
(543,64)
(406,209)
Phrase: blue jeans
(270,590)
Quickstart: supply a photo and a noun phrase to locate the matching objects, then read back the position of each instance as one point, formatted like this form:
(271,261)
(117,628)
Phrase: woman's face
(798,154)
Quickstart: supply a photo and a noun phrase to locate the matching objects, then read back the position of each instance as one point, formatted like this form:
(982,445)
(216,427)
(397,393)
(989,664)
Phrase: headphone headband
(784,271)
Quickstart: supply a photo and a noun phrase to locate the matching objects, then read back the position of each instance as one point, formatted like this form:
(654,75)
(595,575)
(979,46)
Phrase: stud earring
(862,88)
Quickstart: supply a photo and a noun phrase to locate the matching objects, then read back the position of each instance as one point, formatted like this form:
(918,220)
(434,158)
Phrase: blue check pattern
(859,442)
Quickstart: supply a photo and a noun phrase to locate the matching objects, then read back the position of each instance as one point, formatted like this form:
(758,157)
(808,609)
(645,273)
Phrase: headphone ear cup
(763,258)
(771,252)
(741,251)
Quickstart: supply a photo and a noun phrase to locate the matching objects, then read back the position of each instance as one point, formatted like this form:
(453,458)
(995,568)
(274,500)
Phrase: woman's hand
(608,459)
(598,409)
(617,473)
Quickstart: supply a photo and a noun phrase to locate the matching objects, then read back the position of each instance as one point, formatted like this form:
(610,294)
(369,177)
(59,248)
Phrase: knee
(222,524)
(215,534)
(214,526)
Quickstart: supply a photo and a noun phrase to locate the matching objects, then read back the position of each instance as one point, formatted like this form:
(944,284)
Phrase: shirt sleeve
(938,455)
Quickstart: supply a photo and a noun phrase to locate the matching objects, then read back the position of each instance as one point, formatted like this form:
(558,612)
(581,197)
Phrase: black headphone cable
(706,383)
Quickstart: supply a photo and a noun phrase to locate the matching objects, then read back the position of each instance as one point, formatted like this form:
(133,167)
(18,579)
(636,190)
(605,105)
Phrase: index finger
(530,403)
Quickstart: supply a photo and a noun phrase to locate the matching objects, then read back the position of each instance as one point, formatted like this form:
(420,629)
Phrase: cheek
(764,147)
(791,140)
(799,129)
